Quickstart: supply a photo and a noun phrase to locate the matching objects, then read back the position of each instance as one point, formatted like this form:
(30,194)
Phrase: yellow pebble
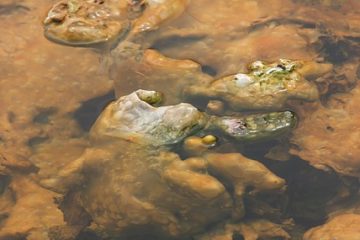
(209,139)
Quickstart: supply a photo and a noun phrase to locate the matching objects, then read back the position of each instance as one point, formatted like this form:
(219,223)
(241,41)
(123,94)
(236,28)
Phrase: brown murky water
(50,95)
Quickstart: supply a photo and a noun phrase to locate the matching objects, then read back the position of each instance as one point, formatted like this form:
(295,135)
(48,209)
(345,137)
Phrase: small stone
(209,140)
(194,145)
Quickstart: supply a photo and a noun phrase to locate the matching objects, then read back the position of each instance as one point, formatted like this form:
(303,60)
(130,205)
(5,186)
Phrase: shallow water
(50,95)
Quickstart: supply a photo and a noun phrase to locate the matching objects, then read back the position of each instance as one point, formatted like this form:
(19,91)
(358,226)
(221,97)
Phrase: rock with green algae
(266,85)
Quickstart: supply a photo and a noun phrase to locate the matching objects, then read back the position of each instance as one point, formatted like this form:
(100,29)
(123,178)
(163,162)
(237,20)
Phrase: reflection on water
(60,182)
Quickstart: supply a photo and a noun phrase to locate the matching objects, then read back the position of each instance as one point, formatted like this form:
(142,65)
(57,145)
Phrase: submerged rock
(89,23)
(129,178)
(33,214)
(345,226)
(318,135)
(265,86)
